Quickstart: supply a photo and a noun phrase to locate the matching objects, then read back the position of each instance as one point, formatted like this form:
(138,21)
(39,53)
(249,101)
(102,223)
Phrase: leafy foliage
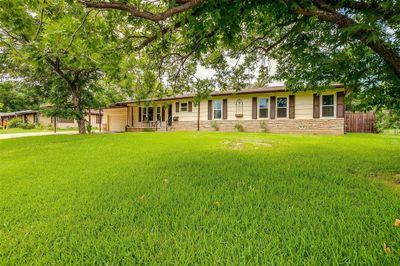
(16,96)
(18,123)
(388,119)
(315,44)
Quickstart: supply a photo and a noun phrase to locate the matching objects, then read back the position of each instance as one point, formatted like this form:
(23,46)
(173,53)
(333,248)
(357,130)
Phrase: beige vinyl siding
(185,115)
(203,110)
(135,115)
(44,120)
(247,104)
(304,106)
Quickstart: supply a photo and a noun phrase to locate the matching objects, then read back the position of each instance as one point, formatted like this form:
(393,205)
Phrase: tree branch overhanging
(324,12)
(136,12)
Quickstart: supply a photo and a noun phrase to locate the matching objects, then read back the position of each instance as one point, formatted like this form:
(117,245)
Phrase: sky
(203,73)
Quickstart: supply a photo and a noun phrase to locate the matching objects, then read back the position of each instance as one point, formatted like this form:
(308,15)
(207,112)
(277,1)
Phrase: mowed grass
(200,198)
(21,130)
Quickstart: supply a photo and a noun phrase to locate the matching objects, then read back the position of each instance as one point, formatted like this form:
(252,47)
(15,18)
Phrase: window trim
(158,108)
(333,105)
(268,107)
(187,106)
(213,109)
(287,107)
(144,114)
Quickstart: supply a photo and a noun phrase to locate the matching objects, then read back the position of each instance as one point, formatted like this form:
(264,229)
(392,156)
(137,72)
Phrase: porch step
(140,129)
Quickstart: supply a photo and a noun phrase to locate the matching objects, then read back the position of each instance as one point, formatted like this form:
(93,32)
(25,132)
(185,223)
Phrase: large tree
(316,43)
(60,49)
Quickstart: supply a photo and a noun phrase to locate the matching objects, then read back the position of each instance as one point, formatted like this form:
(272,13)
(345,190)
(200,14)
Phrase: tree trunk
(79,111)
(82,125)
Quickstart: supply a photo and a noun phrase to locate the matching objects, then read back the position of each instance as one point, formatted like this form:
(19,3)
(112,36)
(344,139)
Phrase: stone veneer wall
(297,126)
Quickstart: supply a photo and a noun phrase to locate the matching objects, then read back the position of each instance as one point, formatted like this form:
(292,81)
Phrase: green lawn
(200,198)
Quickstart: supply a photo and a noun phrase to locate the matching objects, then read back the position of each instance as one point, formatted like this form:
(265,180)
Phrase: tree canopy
(80,54)
(315,43)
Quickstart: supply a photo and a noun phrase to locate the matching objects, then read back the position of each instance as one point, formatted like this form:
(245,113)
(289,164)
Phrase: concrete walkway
(34,134)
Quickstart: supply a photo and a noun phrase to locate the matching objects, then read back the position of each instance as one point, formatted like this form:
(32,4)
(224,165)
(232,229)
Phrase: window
(328,107)
(217,108)
(147,114)
(184,107)
(263,108)
(281,106)
(239,108)
(98,119)
(159,113)
(144,114)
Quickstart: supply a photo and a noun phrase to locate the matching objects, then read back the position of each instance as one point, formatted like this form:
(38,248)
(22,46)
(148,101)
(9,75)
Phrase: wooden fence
(360,122)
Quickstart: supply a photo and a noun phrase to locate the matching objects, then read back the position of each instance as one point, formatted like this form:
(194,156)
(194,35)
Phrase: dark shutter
(209,110)
(340,104)
(189,106)
(163,114)
(254,108)
(140,114)
(292,113)
(224,109)
(272,106)
(316,106)
(132,116)
(177,107)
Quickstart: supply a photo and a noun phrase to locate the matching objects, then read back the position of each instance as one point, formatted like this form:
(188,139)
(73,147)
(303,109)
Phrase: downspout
(198,116)
(99,119)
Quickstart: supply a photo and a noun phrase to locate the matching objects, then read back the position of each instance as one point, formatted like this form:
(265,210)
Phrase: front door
(169,115)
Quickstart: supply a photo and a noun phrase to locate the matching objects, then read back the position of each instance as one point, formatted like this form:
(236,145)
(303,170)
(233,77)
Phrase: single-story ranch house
(271,109)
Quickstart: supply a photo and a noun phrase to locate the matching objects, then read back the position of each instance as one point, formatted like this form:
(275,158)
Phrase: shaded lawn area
(200,198)
(21,130)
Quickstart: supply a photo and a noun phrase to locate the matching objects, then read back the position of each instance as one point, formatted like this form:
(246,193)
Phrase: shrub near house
(18,123)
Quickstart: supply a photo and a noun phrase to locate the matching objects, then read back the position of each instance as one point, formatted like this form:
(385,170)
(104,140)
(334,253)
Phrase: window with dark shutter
(292,113)
(281,107)
(163,114)
(263,107)
(190,107)
(210,110)
(177,107)
(140,114)
(328,105)
(254,108)
(217,109)
(340,107)
(316,106)
(225,109)
(184,107)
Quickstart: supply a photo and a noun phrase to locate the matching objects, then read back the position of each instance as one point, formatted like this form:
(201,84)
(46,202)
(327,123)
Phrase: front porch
(150,126)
